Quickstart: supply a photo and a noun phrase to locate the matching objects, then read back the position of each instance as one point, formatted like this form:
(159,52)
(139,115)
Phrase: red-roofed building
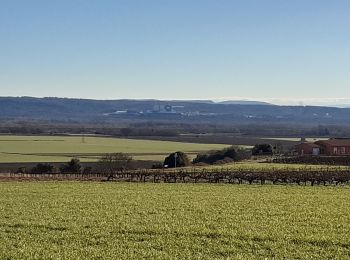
(336,146)
(308,148)
(331,147)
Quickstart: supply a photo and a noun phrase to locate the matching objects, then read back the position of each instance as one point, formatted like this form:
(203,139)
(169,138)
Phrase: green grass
(253,165)
(76,220)
(62,148)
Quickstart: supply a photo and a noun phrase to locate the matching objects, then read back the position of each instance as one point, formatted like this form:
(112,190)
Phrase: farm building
(331,147)
(308,148)
(335,146)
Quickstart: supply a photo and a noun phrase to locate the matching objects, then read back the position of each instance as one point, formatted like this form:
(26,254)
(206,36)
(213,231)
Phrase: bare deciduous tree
(114,163)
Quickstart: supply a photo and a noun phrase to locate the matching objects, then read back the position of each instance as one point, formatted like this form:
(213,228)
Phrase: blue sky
(179,49)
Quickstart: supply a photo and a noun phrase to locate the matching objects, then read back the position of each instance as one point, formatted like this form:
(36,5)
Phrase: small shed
(308,148)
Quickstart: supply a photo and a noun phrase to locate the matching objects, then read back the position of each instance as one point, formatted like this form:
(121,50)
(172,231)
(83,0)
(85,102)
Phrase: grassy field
(309,139)
(255,165)
(76,220)
(62,148)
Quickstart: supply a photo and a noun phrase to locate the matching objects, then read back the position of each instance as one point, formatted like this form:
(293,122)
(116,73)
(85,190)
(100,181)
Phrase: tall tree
(177,159)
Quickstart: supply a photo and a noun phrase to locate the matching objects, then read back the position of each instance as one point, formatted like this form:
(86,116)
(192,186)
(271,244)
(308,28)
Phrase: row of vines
(306,176)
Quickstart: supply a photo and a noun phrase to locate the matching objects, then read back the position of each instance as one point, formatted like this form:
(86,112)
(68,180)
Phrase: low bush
(42,168)
(262,149)
(226,155)
(73,166)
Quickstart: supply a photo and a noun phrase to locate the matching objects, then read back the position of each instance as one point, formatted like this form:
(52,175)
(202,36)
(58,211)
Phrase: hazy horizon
(328,102)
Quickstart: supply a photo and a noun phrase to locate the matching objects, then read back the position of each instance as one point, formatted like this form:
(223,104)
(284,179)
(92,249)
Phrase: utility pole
(83,135)
(175,157)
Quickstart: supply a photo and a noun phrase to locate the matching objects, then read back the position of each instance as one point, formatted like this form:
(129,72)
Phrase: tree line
(128,128)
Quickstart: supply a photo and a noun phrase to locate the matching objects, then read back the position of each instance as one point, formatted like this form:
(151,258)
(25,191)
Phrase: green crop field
(90,220)
(62,148)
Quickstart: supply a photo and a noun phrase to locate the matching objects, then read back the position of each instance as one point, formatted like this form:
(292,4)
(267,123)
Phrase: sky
(286,51)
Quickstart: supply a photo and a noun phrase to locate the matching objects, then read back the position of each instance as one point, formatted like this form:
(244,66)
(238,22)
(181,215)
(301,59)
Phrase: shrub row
(226,155)
(324,160)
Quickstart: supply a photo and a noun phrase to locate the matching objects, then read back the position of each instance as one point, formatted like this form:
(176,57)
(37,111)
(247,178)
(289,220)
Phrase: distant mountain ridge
(244,102)
(64,109)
